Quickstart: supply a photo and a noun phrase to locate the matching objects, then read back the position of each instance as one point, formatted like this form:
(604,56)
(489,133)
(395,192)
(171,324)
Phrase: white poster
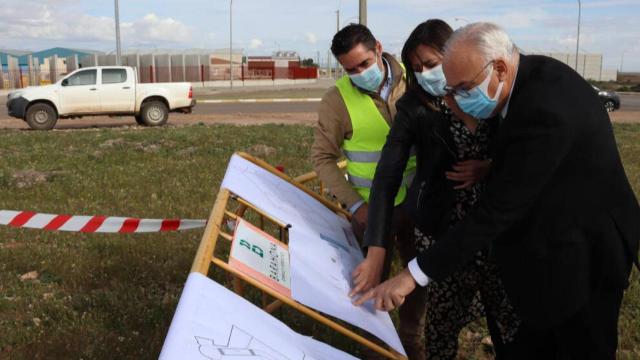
(211,322)
(323,250)
(259,255)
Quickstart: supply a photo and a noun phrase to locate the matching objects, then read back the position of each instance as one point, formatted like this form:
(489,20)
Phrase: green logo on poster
(253,248)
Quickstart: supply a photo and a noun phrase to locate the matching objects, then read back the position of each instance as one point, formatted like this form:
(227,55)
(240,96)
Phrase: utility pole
(329,66)
(118,49)
(578,39)
(363,12)
(231,43)
(337,29)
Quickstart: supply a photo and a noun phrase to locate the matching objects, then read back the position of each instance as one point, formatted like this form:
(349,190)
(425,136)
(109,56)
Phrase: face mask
(369,79)
(478,104)
(432,81)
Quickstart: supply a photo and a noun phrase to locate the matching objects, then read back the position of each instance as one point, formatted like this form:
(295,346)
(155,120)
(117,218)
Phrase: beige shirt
(334,126)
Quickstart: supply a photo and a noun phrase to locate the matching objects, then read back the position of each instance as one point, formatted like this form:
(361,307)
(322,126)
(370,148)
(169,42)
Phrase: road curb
(257,101)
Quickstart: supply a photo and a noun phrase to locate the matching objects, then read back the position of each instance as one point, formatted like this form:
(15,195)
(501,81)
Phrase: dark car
(610,99)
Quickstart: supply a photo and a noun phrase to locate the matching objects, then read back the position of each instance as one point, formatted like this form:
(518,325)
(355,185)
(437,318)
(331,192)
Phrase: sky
(609,27)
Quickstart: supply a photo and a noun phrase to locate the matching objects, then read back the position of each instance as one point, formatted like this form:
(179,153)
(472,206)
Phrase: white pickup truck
(103,90)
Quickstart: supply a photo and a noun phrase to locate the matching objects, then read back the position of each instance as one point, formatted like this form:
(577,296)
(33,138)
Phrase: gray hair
(489,39)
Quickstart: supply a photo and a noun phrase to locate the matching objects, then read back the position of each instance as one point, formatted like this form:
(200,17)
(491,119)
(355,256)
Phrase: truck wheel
(41,116)
(154,113)
(139,120)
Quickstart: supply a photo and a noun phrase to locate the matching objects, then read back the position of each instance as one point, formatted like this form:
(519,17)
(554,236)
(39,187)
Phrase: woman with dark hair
(453,157)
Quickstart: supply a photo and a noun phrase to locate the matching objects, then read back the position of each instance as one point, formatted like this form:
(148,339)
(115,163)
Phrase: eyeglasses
(452,91)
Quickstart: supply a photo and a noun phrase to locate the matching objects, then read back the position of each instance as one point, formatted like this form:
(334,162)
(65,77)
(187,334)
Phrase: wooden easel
(223,212)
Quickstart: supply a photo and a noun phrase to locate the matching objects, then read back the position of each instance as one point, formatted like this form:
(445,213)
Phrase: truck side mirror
(65,82)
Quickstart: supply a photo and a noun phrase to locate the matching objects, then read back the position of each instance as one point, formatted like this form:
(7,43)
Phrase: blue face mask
(432,81)
(478,104)
(369,79)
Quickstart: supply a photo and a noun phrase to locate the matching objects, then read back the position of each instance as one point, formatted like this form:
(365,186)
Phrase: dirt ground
(632,117)
(238,119)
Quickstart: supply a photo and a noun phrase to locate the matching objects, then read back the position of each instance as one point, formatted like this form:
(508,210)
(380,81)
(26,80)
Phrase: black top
(431,198)
(558,209)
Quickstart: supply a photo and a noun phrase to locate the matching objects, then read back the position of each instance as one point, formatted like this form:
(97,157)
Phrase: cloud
(24,22)
(255,43)
(311,38)
(152,28)
(516,19)
(608,26)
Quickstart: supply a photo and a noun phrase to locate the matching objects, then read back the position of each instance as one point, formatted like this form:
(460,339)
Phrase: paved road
(629,103)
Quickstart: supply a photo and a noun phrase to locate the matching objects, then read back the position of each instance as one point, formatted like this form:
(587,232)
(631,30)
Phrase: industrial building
(204,67)
(629,77)
(589,65)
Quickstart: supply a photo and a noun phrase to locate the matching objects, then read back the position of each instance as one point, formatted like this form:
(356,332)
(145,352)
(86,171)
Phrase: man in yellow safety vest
(354,118)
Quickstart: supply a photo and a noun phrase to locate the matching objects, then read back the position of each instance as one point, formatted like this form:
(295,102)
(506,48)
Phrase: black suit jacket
(558,212)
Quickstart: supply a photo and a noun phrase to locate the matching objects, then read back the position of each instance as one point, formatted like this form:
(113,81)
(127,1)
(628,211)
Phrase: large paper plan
(212,322)
(323,250)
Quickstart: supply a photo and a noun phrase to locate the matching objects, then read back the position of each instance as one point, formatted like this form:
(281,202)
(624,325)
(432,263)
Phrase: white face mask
(369,79)
(432,81)
(478,104)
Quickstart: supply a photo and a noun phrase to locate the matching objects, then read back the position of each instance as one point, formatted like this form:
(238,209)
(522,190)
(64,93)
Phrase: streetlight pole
(578,39)
(363,12)
(231,43)
(337,29)
(118,49)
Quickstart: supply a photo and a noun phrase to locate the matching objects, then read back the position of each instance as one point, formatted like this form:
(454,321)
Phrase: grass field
(113,296)
(265,94)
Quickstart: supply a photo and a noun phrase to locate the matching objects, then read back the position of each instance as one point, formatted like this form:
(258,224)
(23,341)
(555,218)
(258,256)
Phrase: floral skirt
(465,296)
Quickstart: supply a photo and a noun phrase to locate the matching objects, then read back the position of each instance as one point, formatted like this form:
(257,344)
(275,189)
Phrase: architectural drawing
(213,323)
(240,345)
(277,197)
(323,250)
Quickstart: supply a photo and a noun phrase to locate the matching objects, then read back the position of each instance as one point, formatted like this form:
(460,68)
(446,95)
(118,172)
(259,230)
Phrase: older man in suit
(558,212)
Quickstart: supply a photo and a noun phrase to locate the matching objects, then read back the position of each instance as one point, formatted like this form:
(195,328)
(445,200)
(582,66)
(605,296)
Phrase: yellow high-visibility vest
(363,150)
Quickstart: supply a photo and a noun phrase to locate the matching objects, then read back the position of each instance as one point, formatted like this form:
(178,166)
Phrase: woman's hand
(391,293)
(469,172)
(368,273)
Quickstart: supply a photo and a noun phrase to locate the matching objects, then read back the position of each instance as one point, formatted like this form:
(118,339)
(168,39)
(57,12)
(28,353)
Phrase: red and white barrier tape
(95,224)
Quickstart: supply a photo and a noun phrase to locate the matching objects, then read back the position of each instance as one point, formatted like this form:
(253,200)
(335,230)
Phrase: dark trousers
(590,334)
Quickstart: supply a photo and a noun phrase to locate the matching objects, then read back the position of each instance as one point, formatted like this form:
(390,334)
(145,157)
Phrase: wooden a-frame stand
(215,229)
